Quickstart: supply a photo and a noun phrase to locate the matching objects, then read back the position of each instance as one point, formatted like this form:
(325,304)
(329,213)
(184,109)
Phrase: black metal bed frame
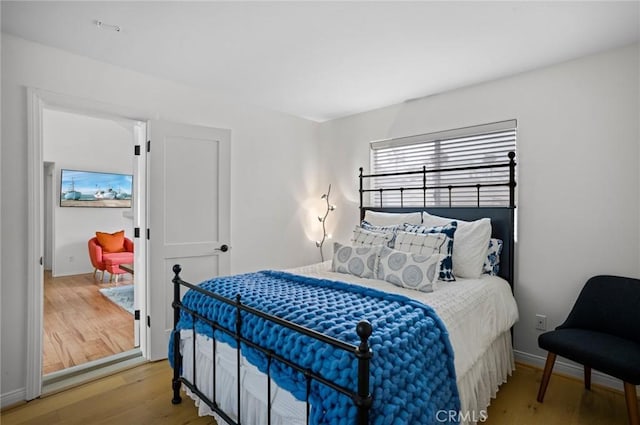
(361,397)
(502,228)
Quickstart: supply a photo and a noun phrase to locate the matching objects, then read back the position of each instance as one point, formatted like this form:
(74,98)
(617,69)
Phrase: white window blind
(450,151)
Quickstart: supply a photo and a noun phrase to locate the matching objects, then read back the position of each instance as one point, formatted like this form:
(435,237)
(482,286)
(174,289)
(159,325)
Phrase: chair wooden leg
(632,403)
(94,273)
(548,367)
(587,377)
(110,277)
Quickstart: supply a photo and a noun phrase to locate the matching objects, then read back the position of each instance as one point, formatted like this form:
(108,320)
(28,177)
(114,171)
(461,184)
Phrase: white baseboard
(562,366)
(13,397)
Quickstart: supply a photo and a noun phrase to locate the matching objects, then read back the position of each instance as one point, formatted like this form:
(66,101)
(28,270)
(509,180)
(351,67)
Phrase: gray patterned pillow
(421,243)
(356,260)
(362,237)
(408,270)
(393,229)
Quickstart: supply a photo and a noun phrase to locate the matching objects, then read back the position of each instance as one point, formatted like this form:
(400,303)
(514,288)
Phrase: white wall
(578,179)
(79,142)
(273,171)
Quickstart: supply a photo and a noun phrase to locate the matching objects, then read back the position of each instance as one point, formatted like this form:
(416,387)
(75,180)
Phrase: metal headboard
(502,217)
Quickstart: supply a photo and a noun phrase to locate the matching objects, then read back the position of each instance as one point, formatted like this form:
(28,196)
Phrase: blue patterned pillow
(392,228)
(356,260)
(446,267)
(492,263)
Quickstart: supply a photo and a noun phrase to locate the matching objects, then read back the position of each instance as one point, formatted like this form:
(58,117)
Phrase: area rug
(120,295)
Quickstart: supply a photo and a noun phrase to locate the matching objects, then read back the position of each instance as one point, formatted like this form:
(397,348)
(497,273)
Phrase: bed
(400,355)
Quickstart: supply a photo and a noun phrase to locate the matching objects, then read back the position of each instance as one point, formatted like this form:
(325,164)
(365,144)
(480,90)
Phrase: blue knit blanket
(412,373)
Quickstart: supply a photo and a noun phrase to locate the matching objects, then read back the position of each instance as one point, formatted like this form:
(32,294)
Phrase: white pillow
(385,219)
(356,260)
(407,270)
(420,243)
(362,237)
(470,243)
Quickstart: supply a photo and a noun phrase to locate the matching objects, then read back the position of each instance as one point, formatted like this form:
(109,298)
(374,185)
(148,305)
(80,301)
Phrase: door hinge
(136,315)
(148,145)
(148,233)
(136,232)
(136,150)
(148,321)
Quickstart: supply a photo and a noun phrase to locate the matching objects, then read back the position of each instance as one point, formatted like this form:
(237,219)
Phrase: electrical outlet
(541,322)
(71,258)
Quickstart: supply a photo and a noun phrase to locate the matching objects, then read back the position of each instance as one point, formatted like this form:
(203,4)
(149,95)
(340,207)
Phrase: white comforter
(476,312)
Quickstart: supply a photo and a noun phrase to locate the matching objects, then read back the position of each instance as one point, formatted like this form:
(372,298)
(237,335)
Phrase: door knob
(223,248)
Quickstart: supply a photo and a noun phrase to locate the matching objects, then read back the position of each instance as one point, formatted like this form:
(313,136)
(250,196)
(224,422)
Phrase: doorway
(88,313)
(73,134)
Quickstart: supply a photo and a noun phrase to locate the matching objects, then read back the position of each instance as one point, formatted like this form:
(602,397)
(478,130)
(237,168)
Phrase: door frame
(37,101)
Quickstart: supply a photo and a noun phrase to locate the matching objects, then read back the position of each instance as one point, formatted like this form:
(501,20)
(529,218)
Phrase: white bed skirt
(476,387)
(481,382)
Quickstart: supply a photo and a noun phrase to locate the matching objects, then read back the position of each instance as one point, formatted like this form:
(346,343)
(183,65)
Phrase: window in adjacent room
(452,149)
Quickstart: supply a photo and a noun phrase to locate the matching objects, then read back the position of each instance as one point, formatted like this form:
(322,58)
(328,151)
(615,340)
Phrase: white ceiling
(324,60)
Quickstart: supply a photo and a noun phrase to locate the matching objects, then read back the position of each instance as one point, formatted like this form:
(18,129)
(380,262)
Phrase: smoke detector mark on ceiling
(105,26)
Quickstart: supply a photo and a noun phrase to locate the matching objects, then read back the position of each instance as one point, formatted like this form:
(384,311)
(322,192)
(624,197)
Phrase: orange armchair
(109,261)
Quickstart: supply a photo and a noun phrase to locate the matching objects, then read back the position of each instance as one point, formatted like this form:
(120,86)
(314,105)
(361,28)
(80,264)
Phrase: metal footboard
(361,396)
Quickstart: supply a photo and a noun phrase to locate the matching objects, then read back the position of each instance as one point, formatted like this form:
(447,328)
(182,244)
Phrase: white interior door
(188,215)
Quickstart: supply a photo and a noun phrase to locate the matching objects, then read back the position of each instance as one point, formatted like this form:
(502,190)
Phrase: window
(450,152)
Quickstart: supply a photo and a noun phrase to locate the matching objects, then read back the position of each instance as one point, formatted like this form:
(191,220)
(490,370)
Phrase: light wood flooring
(138,396)
(565,403)
(142,396)
(80,324)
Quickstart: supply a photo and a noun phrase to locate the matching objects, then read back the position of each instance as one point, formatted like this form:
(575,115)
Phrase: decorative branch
(323,220)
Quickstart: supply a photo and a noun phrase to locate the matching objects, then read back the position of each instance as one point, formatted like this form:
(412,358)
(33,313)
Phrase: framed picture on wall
(95,189)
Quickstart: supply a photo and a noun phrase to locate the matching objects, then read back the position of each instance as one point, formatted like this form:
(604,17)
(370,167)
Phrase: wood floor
(138,396)
(142,396)
(80,324)
(565,403)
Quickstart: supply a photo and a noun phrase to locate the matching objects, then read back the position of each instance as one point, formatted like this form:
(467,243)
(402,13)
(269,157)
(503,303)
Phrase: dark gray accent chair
(602,332)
